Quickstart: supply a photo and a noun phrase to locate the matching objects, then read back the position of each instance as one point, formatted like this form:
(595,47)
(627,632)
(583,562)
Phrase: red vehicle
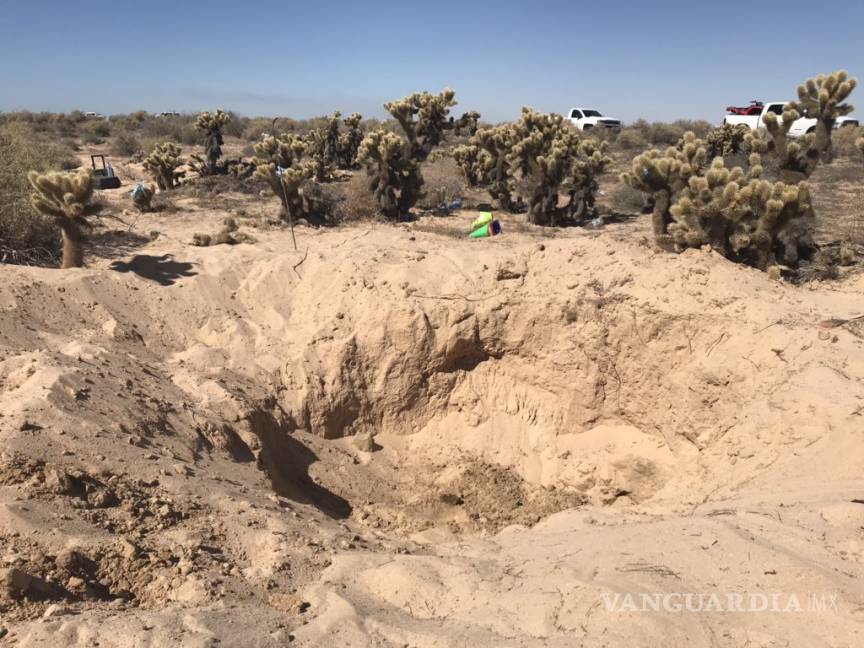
(754,108)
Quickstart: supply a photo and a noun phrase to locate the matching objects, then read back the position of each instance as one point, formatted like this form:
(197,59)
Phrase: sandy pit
(398,437)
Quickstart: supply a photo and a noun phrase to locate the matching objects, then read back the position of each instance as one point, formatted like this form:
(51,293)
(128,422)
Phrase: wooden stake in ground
(287,210)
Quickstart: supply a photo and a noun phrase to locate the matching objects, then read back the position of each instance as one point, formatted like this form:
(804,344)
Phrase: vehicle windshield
(592,113)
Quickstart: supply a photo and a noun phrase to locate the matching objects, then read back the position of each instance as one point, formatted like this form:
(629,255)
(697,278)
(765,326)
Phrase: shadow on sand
(164,270)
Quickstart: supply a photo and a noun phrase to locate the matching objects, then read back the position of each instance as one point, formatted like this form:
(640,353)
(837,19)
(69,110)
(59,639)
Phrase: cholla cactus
(162,165)
(211,124)
(142,196)
(424,118)
(278,162)
(797,158)
(322,145)
(473,162)
(494,144)
(739,214)
(66,197)
(743,216)
(661,175)
(349,142)
(823,99)
(590,164)
(542,152)
(726,140)
(545,153)
(396,180)
(860,144)
(467,122)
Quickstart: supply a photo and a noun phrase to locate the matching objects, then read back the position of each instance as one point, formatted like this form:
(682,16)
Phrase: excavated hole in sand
(458,422)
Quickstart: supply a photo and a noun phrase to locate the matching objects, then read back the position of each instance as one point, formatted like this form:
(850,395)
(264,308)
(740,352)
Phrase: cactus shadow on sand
(164,270)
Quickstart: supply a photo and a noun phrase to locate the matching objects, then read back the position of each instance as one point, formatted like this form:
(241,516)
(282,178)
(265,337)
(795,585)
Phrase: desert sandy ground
(395,437)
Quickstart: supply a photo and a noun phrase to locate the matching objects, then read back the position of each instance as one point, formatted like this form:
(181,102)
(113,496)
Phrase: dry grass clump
(443,182)
(348,201)
(631,139)
(843,141)
(25,235)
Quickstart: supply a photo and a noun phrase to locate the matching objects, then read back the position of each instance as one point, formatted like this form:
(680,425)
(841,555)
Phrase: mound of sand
(397,438)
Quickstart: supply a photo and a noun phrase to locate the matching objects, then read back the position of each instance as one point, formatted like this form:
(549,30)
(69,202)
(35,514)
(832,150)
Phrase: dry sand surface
(397,437)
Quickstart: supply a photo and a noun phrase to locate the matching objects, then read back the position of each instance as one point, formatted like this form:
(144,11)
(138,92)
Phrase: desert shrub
(860,144)
(443,182)
(95,131)
(257,127)
(164,128)
(235,126)
(698,127)
(67,198)
(843,141)
(626,199)
(26,236)
(631,138)
(659,133)
(125,144)
(162,164)
(351,201)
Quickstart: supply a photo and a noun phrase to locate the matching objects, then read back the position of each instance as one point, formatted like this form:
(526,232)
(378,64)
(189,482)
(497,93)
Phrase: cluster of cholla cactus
(66,197)
(491,166)
(162,164)
(328,148)
(424,118)
(349,141)
(548,154)
(473,162)
(395,176)
(142,196)
(393,163)
(211,124)
(662,175)
(727,140)
(542,152)
(322,145)
(468,122)
(589,164)
(737,213)
(278,161)
(822,99)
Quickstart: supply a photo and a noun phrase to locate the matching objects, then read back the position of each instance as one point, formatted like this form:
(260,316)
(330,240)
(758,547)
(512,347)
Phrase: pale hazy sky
(654,59)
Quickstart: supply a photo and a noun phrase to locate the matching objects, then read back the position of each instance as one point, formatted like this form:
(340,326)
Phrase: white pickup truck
(753,116)
(584,119)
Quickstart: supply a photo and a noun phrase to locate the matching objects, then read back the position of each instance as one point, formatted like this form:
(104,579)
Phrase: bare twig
(454,297)
(834,322)
(300,262)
